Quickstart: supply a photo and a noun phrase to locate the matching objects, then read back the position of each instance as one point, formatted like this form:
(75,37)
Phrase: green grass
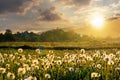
(58,45)
(60,64)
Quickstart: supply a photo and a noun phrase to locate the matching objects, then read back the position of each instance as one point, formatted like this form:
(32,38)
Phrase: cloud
(17,6)
(115,4)
(50,14)
(115,17)
(112,18)
(76,2)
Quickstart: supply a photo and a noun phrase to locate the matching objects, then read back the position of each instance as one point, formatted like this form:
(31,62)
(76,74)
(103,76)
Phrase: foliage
(55,35)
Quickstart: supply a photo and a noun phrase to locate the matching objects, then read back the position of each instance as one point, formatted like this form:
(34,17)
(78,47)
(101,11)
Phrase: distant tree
(54,35)
(58,35)
(8,36)
(1,37)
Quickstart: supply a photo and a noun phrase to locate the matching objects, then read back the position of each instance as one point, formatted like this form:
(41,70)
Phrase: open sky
(42,15)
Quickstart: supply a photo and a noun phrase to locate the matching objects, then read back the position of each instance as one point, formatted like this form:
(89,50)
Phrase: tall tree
(8,36)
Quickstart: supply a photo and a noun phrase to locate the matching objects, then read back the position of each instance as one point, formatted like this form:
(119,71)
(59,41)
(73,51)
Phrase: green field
(59,61)
(59,64)
(66,45)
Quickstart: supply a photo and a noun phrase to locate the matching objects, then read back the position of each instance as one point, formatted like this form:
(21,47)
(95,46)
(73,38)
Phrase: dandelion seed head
(70,69)
(47,76)
(21,71)
(95,74)
(7,65)
(37,51)
(2,70)
(82,51)
(99,66)
(20,50)
(117,69)
(10,76)
(35,61)
(110,62)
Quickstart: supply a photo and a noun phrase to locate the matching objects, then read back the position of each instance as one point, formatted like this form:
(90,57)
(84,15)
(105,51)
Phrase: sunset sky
(43,15)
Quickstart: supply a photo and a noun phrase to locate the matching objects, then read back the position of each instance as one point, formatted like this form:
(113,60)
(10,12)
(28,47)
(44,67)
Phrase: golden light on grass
(97,21)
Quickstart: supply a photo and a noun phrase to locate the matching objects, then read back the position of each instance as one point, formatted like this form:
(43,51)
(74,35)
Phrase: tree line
(54,35)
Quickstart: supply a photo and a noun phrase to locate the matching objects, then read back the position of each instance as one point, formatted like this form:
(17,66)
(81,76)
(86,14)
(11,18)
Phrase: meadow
(43,64)
(100,44)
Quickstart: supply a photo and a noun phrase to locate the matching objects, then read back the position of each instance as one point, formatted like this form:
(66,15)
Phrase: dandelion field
(59,64)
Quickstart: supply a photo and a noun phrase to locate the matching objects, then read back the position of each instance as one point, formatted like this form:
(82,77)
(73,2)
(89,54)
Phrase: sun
(97,21)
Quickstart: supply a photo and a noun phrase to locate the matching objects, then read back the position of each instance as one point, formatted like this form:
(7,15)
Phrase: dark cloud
(76,2)
(112,18)
(116,17)
(49,15)
(17,6)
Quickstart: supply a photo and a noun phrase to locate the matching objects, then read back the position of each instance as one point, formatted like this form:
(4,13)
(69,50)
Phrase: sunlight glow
(97,21)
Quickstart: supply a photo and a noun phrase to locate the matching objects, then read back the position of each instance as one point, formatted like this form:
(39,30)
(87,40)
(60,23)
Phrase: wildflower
(21,71)
(11,57)
(117,69)
(1,56)
(7,66)
(99,66)
(84,55)
(70,68)
(116,59)
(110,62)
(104,54)
(94,74)
(20,50)
(16,53)
(47,76)
(1,60)
(58,57)
(106,58)
(111,55)
(83,61)
(29,56)
(23,58)
(36,67)
(26,66)
(31,78)
(35,61)
(50,51)
(5,55)
(33,67)
(2,70)
(118,52)
(10,75)
(37,51)
(17,63)
(78,61)
(59,62)
(89,58)
(82,51)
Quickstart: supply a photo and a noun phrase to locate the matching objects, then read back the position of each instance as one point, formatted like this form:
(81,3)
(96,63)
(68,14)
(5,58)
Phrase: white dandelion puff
(82,51)
(37,51)
(47,76)
(70,68)
(10,76)
(110,62)
(95,74)
(21,71)
(35,61)
(2,70)
(20,50)
(99,66)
